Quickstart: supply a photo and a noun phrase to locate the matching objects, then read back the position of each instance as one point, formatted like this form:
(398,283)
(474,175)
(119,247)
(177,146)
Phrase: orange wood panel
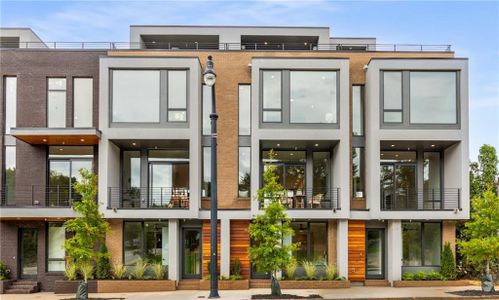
(206,246)
(239,245)
(356,250)
(75,140)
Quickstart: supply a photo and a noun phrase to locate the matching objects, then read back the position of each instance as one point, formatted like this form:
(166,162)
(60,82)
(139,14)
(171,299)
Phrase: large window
(177,96)
(299,97)
(244,109)
(145,240)
(312,237)
(206,110)
(83,102)
(10,103)
(206,183)
(421,244)
(358,110)
(244,171)
(55,247)
(56,102)
(420,97)
(358,172)
(312,97)
(135,96)
(392,97)
(65,164)
(272,98)
(10,175)
(433,97)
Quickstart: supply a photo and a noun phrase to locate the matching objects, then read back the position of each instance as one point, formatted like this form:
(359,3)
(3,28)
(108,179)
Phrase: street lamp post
(210,78)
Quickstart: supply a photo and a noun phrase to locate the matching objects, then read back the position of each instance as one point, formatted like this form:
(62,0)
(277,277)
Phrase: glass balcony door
(168,184)
(398,186)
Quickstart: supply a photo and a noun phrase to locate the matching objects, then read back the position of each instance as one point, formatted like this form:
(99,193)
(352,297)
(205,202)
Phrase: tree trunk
(275,288)
(82,291)
(487,280)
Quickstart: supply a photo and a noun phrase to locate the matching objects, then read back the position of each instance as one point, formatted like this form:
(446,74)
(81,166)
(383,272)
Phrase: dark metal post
(214,205)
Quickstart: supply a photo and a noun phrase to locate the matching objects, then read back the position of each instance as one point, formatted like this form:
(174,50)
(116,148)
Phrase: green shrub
(448,263)
(421,275)
(310,269)
(71,271)
(291,269)
(140,269)
(408,276)
(4,271)
(330,271)
(235,277)
(120,271)
(236,269)
(86,270)
(159,270)
(103,270)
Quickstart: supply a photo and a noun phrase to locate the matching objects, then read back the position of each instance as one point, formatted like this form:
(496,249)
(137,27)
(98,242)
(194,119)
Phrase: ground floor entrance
(28,253)
(191,253)
(375,253)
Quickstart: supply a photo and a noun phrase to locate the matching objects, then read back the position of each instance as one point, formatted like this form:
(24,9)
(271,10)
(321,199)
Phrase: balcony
(425,199)
(148,198)
(38,196)
(316,198)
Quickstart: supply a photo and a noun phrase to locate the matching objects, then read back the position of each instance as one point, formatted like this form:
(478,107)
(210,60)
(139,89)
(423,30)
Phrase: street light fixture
(210,77)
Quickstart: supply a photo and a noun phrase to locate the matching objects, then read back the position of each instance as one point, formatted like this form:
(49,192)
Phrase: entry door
(28,252)
(375,253)
(191,253)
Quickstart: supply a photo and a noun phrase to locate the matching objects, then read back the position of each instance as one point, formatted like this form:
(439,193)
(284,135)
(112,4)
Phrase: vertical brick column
(114,241)
(449,234)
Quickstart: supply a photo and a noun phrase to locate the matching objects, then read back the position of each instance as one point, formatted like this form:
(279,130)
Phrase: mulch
(474,293)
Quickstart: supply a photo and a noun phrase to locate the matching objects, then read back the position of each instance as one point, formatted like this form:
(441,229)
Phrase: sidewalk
(351,293)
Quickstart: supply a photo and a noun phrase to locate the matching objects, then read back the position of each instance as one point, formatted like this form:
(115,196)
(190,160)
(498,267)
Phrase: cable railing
(245,46)
(148,197)
(38,196)
(309,198)
(422,199)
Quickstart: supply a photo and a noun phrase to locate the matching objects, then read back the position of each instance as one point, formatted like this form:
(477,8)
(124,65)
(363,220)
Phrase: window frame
(168,109)
(73,101)
(239,168)
(239,109)
(142,239)
(47,95)
(362,110)
(47,247)
(6,130)
(163,101)
(309,238)
(286,104)
(422,245)
(406,101)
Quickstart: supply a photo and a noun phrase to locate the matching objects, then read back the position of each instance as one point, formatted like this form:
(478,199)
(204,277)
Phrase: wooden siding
(206,247)
(239,245)
(356,250)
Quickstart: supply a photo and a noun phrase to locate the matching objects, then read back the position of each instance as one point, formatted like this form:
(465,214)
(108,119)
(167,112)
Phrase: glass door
(28,252)
(398,186)
(375,254)
(160,187)
(191,253)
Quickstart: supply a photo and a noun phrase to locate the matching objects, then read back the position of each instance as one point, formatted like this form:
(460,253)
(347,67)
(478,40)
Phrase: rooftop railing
(183,46)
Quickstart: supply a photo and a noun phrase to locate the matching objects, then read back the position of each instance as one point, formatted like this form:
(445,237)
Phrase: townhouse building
(371,145)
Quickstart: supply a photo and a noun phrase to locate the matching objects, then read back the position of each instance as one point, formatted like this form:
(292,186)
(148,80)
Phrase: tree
(483,173)
(448,264)
(88,229)
(482,232)
(103,269)
(268,253)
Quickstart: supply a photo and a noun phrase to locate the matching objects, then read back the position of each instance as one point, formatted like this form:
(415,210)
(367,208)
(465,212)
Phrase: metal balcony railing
(312,198)
(148,197)
(247,46)
(425,199)
(38,196)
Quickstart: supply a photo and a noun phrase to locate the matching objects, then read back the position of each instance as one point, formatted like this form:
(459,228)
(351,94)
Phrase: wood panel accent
(68,140)
(239,245)
(206,233)
(356,250)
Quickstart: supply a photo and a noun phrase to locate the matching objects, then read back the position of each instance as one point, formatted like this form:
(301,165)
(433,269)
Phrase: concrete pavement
(359,292)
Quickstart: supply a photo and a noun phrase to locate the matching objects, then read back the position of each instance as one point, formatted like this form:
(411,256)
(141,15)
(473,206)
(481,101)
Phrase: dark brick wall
(32,68)
(9,234)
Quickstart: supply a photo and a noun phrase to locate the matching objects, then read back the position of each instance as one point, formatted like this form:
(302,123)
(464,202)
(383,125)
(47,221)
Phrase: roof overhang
(57,136)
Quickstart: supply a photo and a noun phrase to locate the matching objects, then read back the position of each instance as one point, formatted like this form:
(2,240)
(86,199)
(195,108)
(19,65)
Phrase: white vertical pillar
(225,247)
(342,248)
(173,250)
(394,250)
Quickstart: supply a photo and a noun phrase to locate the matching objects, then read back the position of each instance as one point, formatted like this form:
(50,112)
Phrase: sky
(471,27)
